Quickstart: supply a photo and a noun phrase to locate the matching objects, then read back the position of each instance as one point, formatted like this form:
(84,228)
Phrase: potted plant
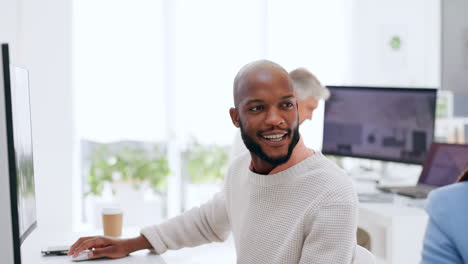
(129,165)
(134,175)
(205,168)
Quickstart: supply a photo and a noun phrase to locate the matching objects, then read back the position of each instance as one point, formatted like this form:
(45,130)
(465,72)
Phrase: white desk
(31,250)
(396,230)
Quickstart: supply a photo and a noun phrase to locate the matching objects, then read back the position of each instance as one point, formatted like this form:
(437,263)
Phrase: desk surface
(138,258)
(38,240)
(391,209)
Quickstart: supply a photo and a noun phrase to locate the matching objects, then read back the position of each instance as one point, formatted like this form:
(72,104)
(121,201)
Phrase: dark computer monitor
(16,160)
(389,124)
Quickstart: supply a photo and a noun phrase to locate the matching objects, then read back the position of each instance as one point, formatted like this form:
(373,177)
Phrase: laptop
(443,165)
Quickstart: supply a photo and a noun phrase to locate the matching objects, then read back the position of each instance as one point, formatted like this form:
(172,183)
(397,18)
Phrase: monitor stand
(363,170)
(385,173)
(394,174)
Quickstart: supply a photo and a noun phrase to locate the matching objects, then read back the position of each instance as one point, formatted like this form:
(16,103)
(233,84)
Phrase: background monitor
(445,163)
(390,124)
(16,160)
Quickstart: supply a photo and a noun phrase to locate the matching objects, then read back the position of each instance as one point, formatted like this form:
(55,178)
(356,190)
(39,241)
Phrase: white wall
(310,34)
(39,35)
(8,22)
(455,45)
(373,62)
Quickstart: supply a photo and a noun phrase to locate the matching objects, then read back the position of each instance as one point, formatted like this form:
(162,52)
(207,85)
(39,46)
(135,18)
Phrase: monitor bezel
(17,238)
(382,88)
(8,248)
(11,154)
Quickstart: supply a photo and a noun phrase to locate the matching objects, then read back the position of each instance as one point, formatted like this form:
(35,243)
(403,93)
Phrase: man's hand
(102,246)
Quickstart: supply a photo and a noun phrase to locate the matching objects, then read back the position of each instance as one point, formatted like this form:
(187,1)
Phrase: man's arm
(200,225)
(138,243)
(332,234)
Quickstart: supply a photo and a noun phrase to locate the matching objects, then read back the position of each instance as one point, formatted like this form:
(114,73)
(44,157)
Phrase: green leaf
(134,164)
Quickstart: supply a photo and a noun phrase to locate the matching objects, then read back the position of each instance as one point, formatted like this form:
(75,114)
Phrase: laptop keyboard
(417,191)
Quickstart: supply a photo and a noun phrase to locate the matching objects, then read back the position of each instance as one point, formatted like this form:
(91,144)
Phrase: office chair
(363,256)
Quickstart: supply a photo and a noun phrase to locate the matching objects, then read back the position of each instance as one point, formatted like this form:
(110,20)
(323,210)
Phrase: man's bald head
(257,71)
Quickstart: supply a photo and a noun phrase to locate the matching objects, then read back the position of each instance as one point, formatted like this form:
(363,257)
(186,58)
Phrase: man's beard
(255,148)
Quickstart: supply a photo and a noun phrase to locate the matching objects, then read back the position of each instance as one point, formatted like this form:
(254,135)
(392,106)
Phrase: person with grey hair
(309,92)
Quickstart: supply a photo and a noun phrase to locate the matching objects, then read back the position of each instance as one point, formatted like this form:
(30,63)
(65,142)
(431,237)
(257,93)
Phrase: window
(161,73)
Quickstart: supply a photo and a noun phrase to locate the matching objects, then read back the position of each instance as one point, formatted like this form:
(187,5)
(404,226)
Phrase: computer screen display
(390,124)
(21,117)
(17,151)
(446,164)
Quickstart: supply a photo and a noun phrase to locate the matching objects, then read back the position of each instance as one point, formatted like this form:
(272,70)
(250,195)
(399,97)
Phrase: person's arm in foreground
(200,225)
(438,247)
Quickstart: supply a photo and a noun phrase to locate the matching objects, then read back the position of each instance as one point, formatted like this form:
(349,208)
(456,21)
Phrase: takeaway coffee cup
(112,219)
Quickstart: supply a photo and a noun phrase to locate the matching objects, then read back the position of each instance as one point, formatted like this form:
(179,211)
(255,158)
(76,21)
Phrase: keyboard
(418,191)
(375,197)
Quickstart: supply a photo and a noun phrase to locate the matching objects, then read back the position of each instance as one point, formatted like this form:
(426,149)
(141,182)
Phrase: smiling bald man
(283,202)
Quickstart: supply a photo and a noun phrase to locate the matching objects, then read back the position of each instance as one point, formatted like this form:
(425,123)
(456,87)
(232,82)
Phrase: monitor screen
(390,124)
(16,159)
(21,115)
(445,164)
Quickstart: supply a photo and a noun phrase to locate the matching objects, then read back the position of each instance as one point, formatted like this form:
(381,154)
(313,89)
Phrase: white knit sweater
(305,214)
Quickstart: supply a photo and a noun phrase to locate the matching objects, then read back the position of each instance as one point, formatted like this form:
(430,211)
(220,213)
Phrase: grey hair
(306,85)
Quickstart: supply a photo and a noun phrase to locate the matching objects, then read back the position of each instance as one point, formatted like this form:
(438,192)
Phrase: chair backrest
(363,256)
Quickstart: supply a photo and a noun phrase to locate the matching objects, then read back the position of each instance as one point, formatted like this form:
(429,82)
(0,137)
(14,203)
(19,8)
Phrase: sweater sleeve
(332,234)
(199,225)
